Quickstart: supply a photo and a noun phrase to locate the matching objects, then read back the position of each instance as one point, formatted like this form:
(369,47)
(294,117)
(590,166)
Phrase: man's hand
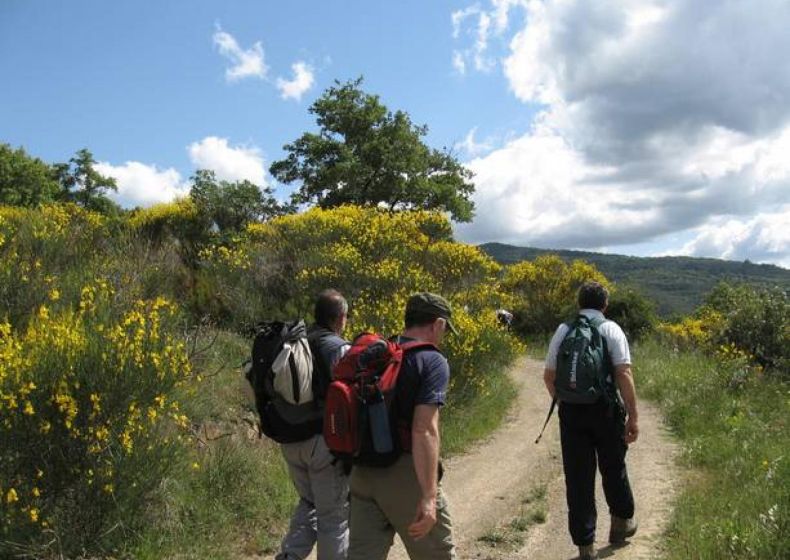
(631,430)
(425,518)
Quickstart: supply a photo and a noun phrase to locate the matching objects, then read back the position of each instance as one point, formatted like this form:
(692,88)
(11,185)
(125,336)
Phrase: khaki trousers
(384,502)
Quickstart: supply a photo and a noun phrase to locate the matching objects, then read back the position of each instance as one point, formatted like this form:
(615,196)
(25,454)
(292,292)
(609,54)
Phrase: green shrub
(757,322)
(88,421)
(54,250)
(633,312)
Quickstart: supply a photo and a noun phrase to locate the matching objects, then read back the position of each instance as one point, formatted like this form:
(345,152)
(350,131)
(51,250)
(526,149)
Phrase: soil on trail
(486,487)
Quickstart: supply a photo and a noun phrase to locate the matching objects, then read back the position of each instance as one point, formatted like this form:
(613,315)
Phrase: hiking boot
(588,552)
(621,529)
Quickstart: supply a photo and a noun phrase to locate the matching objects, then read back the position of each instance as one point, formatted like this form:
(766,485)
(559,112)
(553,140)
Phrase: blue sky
(607,125)
(142,80)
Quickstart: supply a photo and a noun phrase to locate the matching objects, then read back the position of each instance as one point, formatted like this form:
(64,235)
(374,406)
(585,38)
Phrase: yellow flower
(196,465)
(54,294)
(11,496)
(36,492)
(33,515)
(29,410)
(108,488)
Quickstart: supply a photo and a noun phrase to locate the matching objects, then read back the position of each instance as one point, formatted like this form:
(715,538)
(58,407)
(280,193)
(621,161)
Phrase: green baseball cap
(425,306)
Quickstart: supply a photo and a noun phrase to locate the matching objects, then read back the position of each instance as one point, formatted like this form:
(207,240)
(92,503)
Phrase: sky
(650,127)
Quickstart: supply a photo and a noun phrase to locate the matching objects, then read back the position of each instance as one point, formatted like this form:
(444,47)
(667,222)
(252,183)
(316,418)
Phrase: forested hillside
(677,284)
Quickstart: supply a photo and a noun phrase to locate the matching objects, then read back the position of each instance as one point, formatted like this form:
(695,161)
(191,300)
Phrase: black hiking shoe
(588,552)
(622,529)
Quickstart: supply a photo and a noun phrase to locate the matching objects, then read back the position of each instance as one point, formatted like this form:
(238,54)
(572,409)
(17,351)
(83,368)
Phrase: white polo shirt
(616,342)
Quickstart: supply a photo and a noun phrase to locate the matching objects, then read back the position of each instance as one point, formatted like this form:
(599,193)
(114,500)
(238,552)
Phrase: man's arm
(549,375)
(425,453)
(625,383)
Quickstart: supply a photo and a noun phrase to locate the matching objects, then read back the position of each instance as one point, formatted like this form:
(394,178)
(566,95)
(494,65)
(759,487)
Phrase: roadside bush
(739,321)
(178,223)
(376,259)
(757,322)
(544,291)
(88,421)
(633,312)
(56,247)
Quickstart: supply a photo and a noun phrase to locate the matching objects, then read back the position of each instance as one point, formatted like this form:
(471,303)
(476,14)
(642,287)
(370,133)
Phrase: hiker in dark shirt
(406,497)
(321,516)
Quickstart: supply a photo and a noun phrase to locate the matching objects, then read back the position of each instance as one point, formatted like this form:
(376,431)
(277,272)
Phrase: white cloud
(658,117)
(245,63)
(228,162)
(143,185)
(458,62)
(762,239)
(459,16)
(487,24)
(472,147)
(302,81)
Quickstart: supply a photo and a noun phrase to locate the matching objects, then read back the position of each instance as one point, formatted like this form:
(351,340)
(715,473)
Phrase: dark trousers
(590,431)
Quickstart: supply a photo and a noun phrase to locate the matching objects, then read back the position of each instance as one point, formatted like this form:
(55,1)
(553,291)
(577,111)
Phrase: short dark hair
(593,295)
(410,322)
(330,305)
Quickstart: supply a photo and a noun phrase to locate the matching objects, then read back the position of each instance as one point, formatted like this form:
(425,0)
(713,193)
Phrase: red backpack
(359,422)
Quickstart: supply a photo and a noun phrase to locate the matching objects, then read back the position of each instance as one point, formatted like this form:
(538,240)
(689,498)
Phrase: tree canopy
(25,180)
(83,185)
(230,206)
(365,154)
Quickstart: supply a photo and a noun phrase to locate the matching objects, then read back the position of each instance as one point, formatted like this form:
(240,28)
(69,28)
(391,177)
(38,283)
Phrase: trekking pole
(548,417)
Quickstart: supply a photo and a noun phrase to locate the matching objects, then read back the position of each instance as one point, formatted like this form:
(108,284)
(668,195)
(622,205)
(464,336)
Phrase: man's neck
(417,333)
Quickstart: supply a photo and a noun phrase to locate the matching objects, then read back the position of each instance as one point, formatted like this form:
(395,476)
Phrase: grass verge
(733,424)
(469,418)
(232,494)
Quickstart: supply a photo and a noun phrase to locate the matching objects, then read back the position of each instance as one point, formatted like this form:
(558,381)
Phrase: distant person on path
(588,361)
(321,515)
(406,497)
(504,317)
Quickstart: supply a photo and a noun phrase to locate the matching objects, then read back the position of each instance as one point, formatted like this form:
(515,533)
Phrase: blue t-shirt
(423,379)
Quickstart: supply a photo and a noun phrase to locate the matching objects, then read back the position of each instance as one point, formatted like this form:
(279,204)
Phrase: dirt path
(486,486)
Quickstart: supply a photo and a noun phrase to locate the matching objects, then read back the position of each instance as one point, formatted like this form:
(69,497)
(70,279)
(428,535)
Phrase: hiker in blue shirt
(406,497)
(600,429)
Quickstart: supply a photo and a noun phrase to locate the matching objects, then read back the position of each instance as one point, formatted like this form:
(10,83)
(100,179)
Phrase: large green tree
(365,154)
(230,206)
(25,180)
(83,185)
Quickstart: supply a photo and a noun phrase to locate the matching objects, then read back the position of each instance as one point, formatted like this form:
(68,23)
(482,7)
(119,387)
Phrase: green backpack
(583,372)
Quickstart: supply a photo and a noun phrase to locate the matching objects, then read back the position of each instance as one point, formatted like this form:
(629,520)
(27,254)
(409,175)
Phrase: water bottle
(379,423)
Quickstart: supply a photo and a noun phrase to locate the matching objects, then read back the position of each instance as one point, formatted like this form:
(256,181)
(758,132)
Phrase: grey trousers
(321,515)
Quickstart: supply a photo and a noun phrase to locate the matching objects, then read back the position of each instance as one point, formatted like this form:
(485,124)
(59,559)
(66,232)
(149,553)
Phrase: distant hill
(677,284)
